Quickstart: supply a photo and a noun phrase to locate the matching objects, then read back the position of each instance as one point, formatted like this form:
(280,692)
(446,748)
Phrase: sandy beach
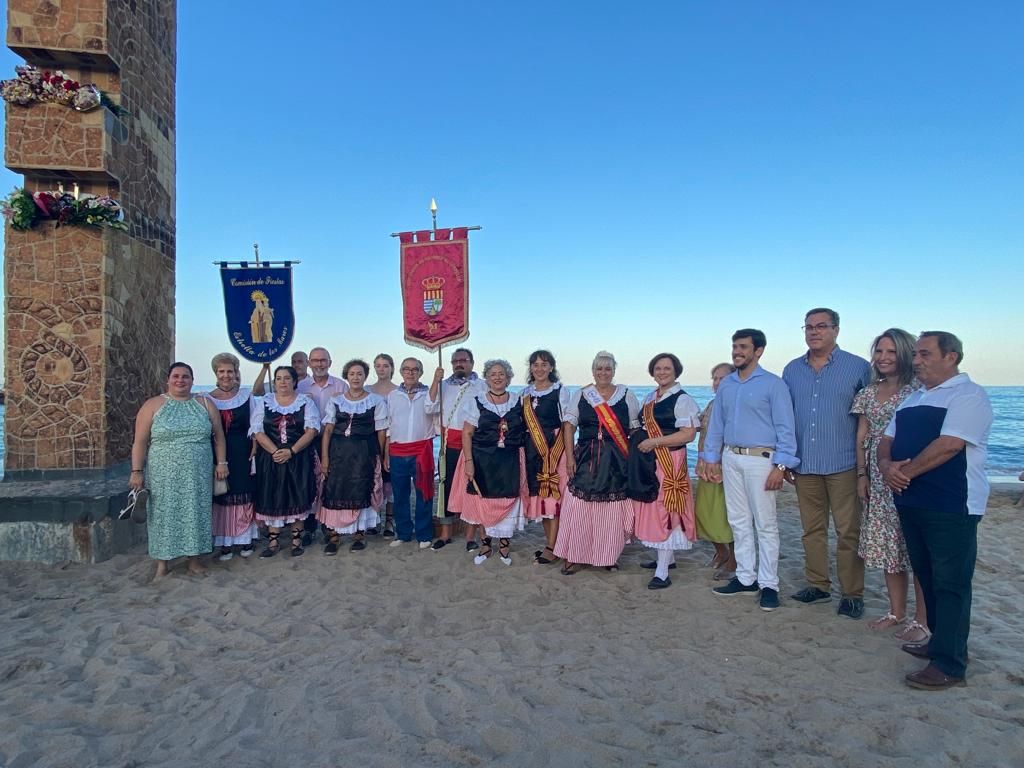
(401,657)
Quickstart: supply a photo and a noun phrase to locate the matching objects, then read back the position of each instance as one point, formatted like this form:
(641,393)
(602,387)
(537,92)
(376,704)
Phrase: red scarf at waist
(453,440)
(423,450)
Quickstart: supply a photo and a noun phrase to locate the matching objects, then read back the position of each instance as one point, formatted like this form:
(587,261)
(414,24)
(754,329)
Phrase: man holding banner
(457,390)
(435,306)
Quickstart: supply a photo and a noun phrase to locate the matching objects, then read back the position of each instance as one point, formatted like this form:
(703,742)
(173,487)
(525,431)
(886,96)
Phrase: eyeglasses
(409,370)
(820,327)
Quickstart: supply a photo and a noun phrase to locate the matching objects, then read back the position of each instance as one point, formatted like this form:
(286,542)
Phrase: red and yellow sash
(609,421)
(676,485)
(548,475)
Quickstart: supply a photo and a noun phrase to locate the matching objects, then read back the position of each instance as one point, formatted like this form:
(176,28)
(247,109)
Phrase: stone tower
(89,311)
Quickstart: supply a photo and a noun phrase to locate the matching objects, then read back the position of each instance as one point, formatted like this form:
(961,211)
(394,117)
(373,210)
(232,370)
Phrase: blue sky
(649,176)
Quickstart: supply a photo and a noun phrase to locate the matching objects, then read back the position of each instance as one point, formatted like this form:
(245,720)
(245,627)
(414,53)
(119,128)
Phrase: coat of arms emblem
(433,295)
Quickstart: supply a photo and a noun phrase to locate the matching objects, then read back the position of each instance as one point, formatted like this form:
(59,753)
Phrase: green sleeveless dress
(179,475)
(709,504)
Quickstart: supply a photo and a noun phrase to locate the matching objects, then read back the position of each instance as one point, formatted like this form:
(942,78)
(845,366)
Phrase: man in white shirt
(933,458)
(322,385)
(410,451)
(463,385)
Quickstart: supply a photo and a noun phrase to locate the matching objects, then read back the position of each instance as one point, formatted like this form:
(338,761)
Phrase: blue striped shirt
(752,413)
(826,431)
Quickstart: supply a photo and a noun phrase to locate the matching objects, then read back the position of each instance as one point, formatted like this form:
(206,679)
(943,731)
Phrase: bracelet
(292,450)
(136,470)
(222,463)
(861,473)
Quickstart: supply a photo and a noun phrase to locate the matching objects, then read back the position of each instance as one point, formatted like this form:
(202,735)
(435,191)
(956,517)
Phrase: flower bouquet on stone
(24,210)
(33,85)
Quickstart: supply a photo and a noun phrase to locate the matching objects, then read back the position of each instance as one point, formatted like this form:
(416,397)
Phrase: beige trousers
(816,495)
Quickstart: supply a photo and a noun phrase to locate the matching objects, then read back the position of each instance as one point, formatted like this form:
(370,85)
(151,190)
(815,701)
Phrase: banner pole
(442,464)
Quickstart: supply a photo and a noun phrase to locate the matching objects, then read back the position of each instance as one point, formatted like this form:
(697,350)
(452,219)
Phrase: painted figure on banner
(261,324)
(259,311)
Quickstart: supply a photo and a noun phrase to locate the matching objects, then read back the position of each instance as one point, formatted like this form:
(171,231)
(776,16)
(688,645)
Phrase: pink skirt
(654,523)
(593,532)
(353,520)
(548,509)
(477,510)
(233,524)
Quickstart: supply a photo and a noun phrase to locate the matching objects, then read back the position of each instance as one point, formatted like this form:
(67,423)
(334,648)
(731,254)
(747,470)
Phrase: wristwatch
(782,468)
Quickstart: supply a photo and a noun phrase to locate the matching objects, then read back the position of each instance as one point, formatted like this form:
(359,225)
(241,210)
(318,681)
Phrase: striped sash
(676,485)
(609,421)
(548,475)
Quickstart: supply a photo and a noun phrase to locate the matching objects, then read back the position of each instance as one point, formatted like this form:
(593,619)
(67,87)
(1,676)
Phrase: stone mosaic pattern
(89,312)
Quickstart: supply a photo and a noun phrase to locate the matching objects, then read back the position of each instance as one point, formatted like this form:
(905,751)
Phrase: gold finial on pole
(433,214)
(256,247)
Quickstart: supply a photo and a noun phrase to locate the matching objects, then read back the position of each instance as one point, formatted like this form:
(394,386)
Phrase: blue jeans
(403,472)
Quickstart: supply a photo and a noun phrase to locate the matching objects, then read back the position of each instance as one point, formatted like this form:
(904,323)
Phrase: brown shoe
(931,678)
(920,650)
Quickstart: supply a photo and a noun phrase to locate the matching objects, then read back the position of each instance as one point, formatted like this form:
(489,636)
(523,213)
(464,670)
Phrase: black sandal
(571,569)
(504,551)
(273,545)
(359,543)
(297,543)
(332,544)
(542,559)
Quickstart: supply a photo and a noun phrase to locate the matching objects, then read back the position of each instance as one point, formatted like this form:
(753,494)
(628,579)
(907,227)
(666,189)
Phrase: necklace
(495,395)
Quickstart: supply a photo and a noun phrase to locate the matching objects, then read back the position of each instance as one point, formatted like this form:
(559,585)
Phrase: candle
(76,191)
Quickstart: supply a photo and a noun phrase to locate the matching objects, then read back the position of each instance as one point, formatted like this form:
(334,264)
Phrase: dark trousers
(943,547)
(451,460)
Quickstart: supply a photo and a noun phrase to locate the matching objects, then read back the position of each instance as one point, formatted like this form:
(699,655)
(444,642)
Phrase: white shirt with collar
(411,419)
(455,394)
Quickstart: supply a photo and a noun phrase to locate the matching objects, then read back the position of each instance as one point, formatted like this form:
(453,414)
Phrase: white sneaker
(426,544)
(396,543)
(246,552)
(226,556)
(480,559)
(505,560)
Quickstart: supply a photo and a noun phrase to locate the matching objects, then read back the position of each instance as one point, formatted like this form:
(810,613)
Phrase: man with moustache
(750,445)
(823,383)
(459,388)
(933,457)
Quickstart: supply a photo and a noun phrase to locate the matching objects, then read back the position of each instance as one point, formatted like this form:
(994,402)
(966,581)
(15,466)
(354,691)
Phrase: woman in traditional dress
(881,535)
(171,456)
(284,424)
(489,486)
(659,478)
(712,523)
(352,445)
(234,523)
(596,518)
(384,367)
(544,402)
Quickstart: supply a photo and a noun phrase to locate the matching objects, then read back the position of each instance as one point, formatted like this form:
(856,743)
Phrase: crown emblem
(434,283)
(258,296)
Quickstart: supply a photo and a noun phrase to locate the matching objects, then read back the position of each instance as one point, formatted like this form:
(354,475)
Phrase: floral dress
(881,537)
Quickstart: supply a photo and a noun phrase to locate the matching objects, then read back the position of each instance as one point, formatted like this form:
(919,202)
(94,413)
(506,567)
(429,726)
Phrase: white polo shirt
(956,408)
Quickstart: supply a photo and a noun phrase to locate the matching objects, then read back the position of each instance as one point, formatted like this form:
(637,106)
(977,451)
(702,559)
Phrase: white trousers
(751,513)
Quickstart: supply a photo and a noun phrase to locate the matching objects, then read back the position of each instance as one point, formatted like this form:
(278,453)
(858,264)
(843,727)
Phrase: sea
(1005,443)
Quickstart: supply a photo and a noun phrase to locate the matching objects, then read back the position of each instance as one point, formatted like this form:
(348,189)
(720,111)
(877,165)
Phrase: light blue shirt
(752,413)
(826,431)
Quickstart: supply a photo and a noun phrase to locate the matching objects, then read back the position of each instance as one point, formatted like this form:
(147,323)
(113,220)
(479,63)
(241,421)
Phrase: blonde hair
(225,358)
(606,356)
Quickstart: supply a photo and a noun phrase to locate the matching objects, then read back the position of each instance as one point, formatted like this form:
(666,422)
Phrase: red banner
(435,287)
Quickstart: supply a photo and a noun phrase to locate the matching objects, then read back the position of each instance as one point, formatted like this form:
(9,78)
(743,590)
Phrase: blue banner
(258,308)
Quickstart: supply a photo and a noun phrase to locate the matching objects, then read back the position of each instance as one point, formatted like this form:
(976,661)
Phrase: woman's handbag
(220,487)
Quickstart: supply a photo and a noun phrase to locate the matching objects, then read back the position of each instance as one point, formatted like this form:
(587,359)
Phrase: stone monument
(89,310)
